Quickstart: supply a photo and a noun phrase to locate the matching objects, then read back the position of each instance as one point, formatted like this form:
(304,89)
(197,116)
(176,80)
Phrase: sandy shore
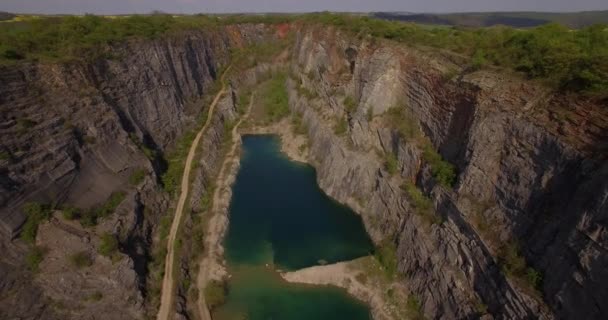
(361,282)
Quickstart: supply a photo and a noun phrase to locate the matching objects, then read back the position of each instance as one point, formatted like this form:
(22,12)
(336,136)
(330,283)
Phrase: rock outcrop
(73,134)
(531,171)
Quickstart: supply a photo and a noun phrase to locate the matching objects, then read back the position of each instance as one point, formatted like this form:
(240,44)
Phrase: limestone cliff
(73,134)
(531,170)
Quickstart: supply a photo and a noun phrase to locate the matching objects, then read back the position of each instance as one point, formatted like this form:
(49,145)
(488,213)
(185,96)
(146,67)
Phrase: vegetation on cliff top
(575,60)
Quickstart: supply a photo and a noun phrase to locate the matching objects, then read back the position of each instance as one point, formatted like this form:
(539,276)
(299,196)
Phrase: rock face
(531,170)
(72,134)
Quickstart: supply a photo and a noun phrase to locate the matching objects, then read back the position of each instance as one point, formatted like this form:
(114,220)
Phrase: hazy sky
(195,6)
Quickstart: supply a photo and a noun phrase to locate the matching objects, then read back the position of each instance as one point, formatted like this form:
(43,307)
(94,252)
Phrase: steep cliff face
(73,134)
(531,170)
(531,173)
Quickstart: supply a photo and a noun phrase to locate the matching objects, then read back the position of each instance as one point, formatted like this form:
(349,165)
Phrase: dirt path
(168,287)
(211,266)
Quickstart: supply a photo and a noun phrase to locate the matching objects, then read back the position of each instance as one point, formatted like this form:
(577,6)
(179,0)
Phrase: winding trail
(211,267)
(168,287)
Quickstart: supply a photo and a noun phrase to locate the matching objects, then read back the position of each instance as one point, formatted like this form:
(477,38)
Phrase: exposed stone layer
(73,134)
(530,162)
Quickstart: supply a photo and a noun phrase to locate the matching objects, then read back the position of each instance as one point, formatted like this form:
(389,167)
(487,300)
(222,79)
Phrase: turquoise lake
(281,220)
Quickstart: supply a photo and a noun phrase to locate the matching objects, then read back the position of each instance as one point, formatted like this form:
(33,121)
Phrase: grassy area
(215,294)
(273,96)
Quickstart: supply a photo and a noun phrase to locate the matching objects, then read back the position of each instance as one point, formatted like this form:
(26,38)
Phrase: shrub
(95,296)
(36,214)
(349,104)
(387,257)
(243,101)
(403,121)
(443,171)
(80,260)
(478,60)
(514,265)
(108,245)
(215,294)
(171,178)
(137,176)
(70,213)
(423,205)
(302,91)
(413,307)
(4,155)
(34,257)
(341,126)
(390,163)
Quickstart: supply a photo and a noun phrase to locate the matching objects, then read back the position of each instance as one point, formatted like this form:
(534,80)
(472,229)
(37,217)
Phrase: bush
(96,296)
(108,245)
(390,163)
(423,205)
(80,260)
(70,213)
(137,176)
(443,171)
(215,294)
(34,257)
(413,307)
(386,254)
(36,214)
(4,155)
(341,126)
(349,104)
(514,265)
(403,121)
(171,178)
(91,217)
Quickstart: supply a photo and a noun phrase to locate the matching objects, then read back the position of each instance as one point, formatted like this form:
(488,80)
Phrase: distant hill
(6,16)
(513,19)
